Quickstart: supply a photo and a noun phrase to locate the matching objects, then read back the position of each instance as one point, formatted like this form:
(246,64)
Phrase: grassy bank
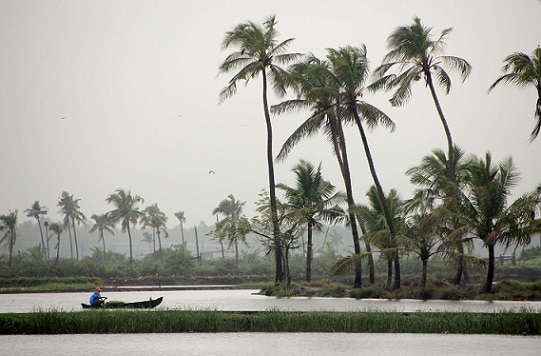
(178,321)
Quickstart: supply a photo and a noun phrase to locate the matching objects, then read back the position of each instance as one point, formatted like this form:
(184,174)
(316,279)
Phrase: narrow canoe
(147,304)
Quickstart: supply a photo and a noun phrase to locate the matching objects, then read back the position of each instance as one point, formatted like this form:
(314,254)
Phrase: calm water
(239,344)
(244,299)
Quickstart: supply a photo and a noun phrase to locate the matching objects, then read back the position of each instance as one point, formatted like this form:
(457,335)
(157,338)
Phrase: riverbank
(188,321)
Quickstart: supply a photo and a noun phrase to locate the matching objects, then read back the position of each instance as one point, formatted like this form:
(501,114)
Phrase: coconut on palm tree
(524,71)
(35,212)
(417,55)
(259,53)
(316,200)
(126,212)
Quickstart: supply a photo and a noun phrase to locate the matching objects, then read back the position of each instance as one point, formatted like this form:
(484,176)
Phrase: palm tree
(69,207)
(126,211)
(259,53)
(487,214)
(34,212)
(148,239)
(102,223)
(181,219)
(438,192)
(524,71)
(229,225)
(57,229)
(314,83)
(417,55)
(316,199)
(8,222)
(153,217)
(377,226)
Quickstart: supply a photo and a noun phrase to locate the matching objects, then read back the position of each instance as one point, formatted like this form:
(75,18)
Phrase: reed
(178,321)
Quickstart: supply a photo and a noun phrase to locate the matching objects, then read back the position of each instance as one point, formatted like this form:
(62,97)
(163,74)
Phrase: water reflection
(240,344)
(245,299)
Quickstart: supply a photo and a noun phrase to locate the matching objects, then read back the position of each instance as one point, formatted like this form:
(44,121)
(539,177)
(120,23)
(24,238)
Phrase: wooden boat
(147,304)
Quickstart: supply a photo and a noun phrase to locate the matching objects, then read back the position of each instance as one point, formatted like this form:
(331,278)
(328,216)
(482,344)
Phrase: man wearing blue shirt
(96,300)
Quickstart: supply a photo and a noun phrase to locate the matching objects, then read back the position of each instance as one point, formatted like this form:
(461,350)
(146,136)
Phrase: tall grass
(177,321)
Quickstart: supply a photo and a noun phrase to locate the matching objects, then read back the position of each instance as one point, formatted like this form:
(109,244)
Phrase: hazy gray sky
(137,85)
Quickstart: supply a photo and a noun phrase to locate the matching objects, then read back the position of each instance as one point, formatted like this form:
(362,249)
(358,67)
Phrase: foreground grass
(178,321)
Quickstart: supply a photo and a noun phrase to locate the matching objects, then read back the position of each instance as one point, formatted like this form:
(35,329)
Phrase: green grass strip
(179,321)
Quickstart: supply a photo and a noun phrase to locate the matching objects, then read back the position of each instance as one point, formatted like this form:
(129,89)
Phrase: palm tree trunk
(389,273)
(160,244)
(487,288)
(279,276)
(103,242)
(75,238)
(424,272)
(309,252)
(451,154)
(197,245)
(70,238)
(381,194)
(182,235)
(131,249)
(57,248)
(339,144)
(42,240)
(371,267)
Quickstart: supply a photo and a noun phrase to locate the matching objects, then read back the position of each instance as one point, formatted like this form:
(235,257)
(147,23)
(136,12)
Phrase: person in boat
(96,300)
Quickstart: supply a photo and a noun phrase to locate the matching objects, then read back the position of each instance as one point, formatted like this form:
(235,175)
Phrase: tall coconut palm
(156,219)
(231,209)
(69,207)
(35,212)
(316,200)
(316,89)
(56,228)
(260,54)
(418,55)
(350,68)
(181,219)
(487,214)
(103,223)
(8,222)
(126,211)
(524,71)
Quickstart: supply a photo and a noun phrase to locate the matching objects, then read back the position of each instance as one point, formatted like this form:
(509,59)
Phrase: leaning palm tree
(56,228)
(350,68)
(316,90)
(126,211)
(181,219)
(102,223)
(260,54)
(156,219)
(8,222)
(69,207)
(524,71)
(228,227)
(35,212)
(487,214)
(316,200)
(417,55)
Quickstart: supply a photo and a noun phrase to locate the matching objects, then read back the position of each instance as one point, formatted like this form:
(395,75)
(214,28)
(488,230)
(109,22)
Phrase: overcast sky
(101,95)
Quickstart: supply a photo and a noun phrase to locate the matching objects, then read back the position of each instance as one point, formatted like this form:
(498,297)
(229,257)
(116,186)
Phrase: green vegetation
(170,321)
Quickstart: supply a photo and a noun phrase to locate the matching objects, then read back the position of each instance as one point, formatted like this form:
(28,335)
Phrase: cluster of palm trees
(126,212)
(332,89)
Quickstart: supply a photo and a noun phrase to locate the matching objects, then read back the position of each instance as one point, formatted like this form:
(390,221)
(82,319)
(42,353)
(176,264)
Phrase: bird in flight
(211,172)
